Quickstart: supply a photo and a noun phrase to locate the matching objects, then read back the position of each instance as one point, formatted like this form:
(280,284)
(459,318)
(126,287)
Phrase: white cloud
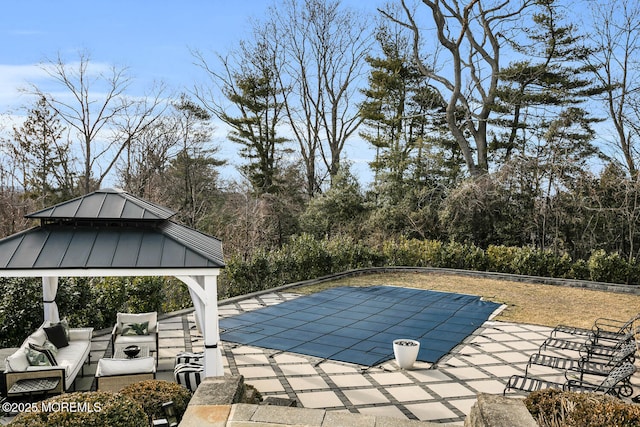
(13,78)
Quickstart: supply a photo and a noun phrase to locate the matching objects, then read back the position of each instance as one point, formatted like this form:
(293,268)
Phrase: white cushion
(38,337)
(17,362)
(151,317)
(142,365)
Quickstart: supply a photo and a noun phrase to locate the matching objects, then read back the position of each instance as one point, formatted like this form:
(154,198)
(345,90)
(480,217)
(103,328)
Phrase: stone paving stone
(288,358)
(487,386)
(365,396)
(173,333)
(332,419)
(503,371)
(513,357)
(171,342)
(307,383)
(454,362)
(467,373)
(409,393)
(245,349)
(429,376)
(288,416)
(464,405)
(531,336)
(302,369)
(431,411)
(320,399)
(257,372)
(267,386)
(482,359)
(390,411)
(450,389)
(494,347)
(350,380)
(251,359)
(391,378)
(336,368)
(522,345)
(242,411)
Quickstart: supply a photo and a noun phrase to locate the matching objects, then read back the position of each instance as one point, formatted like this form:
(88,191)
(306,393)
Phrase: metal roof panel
(8,247)
(29,248)
(105,204)
(54,249)
(128,249)
(79,249)
(150,250)
(102,253)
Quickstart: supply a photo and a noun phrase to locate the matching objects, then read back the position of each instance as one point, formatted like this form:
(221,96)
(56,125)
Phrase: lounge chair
(615,383)
(604,347)
(602,328)
(585,365)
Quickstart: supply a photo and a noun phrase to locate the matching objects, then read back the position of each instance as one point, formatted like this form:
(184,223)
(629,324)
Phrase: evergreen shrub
(89,409)
(553,407)
(151,394)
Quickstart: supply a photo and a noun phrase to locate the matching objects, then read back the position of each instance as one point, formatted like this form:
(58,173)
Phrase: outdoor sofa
(43,354)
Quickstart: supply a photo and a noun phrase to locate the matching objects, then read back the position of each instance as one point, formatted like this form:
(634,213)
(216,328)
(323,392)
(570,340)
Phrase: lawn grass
(535,304)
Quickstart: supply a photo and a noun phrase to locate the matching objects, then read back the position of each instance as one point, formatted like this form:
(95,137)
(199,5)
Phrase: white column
(212,354)
(49,291)
(204,293)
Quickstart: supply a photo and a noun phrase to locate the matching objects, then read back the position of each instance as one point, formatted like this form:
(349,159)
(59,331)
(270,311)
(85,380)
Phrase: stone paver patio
(443,393)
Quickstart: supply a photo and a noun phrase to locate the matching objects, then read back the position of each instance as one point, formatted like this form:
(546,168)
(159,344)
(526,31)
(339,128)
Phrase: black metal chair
(615,383)
(603,347)
(602,328)
(589,365)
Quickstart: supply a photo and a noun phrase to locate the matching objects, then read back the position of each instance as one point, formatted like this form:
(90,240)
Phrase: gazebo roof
(108,229)
(105,204)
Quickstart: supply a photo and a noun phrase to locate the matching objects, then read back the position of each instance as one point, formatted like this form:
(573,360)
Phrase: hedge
(95,301)
(305,257)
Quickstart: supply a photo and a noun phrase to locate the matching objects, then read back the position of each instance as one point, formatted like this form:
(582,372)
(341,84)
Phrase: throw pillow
(135,328)
(56,335)
(39,356)
(48,345)
(65,325)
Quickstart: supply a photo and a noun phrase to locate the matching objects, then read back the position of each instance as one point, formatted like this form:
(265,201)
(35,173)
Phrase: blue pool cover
(358,324)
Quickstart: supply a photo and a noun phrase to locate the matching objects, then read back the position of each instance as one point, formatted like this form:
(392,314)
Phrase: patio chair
(602,328)
(189,375)
(594,365)
(136,328)
(115,374)
(603,347)
(615,383)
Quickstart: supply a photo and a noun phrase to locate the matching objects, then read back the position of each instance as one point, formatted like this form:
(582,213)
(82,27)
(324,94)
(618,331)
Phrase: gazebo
(112,233)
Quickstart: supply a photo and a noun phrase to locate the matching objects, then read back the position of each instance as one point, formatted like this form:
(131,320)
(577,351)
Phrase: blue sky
(154,39)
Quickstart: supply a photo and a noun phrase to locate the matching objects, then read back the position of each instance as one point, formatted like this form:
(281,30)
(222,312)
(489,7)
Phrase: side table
(35,386)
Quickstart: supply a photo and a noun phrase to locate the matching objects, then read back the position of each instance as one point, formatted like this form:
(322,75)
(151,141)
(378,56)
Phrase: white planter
(406,352)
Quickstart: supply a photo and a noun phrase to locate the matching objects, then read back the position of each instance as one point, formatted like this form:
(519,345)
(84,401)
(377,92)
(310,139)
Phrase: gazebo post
(212,354)
(49,291)
(204,293)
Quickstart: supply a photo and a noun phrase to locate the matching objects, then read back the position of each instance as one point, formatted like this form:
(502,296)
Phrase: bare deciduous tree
(469,34)
(325,46)
(615,65)
(99,114)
